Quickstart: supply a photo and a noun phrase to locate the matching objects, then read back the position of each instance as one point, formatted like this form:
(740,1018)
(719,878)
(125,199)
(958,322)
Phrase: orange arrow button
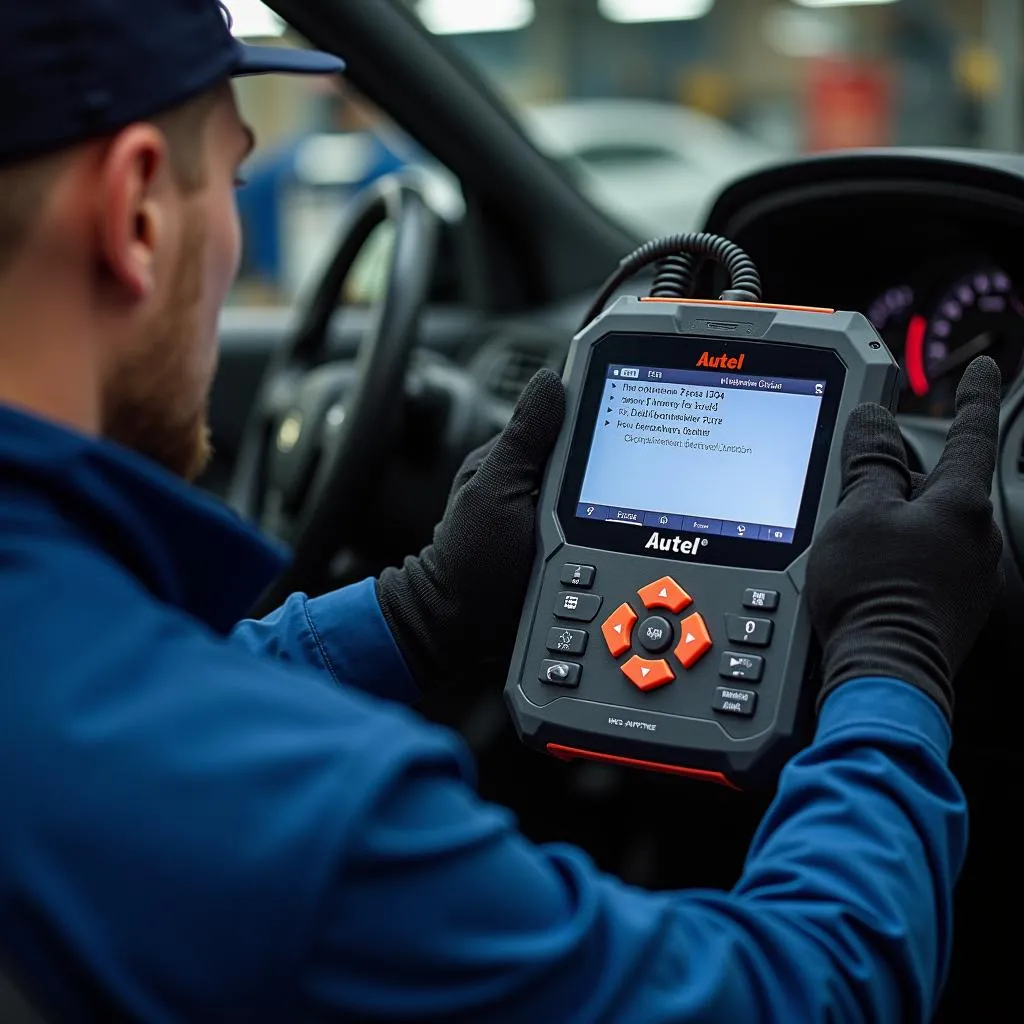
(665,593)
(647,675)
(695,640)
(617,630)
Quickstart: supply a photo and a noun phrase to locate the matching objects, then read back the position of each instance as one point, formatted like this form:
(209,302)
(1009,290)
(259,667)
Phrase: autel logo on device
(722,362)
(675,545)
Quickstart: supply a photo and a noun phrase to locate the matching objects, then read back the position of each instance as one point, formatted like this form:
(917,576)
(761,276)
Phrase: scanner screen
(709,450)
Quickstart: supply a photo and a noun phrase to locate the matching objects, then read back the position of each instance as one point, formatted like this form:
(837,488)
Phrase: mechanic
(205,817)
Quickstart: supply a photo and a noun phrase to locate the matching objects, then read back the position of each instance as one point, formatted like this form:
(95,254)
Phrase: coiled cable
(677,256)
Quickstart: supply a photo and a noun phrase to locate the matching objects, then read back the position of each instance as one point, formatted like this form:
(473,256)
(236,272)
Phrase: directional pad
(617,630)
(655,635)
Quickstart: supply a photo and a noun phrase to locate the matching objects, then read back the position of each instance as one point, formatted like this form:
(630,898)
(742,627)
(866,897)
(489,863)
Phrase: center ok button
(655,634)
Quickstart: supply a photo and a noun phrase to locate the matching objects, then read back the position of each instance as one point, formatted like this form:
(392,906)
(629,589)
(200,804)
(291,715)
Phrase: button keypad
(658,648)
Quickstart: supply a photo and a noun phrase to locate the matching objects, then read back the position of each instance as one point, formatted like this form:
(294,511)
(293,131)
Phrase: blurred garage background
(651,104)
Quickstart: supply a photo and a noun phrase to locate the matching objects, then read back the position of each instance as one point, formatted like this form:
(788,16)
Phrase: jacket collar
(189,549)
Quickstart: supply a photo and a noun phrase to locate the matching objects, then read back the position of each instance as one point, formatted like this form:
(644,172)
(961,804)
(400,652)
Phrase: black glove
(454,610)
(905,573)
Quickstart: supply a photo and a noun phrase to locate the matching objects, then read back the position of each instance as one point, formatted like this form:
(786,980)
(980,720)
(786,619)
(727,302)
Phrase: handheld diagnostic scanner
(665,625)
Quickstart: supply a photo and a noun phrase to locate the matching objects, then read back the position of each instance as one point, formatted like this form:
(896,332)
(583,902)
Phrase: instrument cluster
(937,322)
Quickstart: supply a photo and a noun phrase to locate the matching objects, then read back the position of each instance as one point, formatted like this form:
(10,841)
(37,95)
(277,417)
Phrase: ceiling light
(634,11)
(251,19)
(842,3)
(464,17)
(803,33)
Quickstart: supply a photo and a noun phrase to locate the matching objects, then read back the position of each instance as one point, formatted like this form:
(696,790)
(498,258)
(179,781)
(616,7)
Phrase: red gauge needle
(914,356)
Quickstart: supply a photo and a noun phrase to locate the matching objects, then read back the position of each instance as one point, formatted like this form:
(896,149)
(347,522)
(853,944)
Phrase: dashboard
(928,249)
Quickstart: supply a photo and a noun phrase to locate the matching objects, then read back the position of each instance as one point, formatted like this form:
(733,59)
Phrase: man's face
(157,392)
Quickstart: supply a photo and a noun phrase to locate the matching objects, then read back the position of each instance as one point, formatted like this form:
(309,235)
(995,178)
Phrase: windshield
(654,104)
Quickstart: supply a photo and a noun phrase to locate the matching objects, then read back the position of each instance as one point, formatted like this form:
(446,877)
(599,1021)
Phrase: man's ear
(134,185)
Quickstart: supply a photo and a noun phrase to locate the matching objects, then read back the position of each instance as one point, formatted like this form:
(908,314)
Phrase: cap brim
(269,60)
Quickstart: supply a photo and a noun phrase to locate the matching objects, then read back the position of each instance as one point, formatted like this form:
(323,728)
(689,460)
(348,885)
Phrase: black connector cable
(676,256)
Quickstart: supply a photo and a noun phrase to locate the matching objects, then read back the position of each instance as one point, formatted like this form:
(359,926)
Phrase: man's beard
(154,402)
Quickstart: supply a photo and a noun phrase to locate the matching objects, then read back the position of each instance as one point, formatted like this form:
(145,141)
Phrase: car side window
(319,143)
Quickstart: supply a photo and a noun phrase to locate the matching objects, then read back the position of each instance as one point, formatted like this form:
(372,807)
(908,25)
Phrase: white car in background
(655,166)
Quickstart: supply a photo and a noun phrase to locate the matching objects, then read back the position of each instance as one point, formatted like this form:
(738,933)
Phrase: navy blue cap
(71,70)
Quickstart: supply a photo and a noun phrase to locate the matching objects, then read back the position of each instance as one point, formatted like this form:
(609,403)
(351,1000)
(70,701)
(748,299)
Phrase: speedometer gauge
(979,314)
(950,311)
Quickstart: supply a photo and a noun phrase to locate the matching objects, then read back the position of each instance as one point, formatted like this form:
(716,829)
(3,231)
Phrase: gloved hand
(905,573)
(454,610)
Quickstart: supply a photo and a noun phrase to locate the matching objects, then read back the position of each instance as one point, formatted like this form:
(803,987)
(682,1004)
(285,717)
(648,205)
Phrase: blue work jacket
(208,818)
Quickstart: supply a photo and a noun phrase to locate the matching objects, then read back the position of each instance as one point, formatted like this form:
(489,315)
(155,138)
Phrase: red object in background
(848,104)
(914,356)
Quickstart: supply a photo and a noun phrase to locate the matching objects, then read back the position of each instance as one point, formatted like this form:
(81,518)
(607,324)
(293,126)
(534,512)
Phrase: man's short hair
(25,186)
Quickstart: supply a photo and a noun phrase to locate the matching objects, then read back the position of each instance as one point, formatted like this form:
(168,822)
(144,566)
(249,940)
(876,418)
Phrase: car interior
(338,424)
(400,387)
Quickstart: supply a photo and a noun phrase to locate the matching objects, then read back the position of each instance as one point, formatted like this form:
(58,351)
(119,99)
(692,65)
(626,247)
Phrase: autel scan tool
(665,625)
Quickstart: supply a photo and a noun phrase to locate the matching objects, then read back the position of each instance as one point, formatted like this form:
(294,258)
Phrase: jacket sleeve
(342,634)
(443,911)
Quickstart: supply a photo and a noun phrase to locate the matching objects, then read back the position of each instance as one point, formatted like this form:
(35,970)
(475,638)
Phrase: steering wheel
(320,428)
